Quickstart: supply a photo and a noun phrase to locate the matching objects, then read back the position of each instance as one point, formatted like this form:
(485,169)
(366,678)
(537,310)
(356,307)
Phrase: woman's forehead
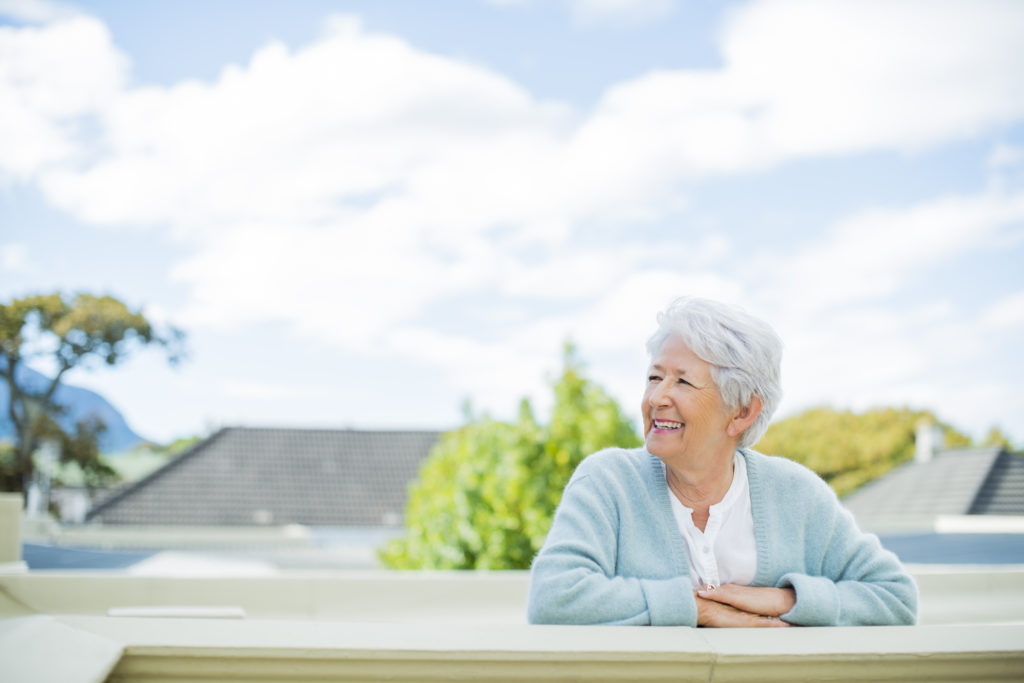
(675,356)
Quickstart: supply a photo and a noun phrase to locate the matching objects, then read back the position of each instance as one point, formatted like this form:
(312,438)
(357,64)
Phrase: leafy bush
(488,490)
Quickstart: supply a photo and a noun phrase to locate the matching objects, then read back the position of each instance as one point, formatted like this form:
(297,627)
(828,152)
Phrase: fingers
(772,622)
(771,602)
(729,594)
(719,615)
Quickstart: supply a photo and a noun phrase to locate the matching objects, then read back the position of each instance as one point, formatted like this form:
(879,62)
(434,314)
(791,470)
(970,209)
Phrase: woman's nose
(659,396)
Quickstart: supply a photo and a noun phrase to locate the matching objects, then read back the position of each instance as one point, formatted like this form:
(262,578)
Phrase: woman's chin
(662,445)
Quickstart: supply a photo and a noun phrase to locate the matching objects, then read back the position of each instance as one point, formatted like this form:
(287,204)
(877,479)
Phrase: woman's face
(685,420)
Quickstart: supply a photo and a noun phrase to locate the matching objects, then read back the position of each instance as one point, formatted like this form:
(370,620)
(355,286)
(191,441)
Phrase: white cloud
(37,11)
(617,12)
(494,374)
(14,258)
(342,188)
(1005,156)
(1008,312)
(354,122)
(255,390)
(871,255)
(825,78)
(850,340)
(622,319)
(844,75)
(1006,166)
(862,356)
(612,324)
(51,80)
(437,141)
(604,13)
(429,143)
(342,285)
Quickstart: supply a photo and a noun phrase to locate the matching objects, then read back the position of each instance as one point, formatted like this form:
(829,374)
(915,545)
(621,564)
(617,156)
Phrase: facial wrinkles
(676,388)
(682,391)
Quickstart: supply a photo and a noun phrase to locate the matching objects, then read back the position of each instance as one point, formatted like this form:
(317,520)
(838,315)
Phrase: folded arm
(733,605)
(859,583)
(573,578)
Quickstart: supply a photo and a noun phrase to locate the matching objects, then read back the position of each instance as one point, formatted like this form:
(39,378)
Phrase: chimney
(928,442)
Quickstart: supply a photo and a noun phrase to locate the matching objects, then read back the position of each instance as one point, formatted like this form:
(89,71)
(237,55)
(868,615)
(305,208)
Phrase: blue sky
(364,213)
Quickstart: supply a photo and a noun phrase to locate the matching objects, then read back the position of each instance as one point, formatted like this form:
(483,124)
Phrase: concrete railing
(463,626)
(162,650)
(87,627)
(949,596)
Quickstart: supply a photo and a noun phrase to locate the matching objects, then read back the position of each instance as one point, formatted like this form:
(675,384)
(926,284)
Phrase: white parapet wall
(158,650)
(949,595)
(421,626)
(88,627)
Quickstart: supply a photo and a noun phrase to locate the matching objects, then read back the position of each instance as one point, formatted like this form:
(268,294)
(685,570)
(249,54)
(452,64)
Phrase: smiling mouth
(667,425)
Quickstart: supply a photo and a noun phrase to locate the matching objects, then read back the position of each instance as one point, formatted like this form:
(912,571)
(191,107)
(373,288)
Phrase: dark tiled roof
(243,475)
(1003,490)
(953,482)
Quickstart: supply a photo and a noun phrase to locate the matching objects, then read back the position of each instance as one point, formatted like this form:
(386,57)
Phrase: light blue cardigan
(615,556)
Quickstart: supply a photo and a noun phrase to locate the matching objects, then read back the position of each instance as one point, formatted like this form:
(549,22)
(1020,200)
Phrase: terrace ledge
(466,626)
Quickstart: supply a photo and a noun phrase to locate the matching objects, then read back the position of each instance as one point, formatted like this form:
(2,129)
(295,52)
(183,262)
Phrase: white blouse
(726,551)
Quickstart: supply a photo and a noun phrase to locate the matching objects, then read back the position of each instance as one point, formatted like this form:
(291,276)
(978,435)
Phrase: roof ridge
(339,430)
(996,471)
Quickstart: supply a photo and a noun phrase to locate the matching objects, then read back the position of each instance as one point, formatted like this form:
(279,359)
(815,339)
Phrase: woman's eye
(683,381)
(653,378)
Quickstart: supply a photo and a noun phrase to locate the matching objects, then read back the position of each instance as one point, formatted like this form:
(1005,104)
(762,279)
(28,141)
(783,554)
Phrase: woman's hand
(732,605)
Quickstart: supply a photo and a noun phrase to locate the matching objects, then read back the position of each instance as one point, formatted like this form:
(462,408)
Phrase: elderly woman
(697,529)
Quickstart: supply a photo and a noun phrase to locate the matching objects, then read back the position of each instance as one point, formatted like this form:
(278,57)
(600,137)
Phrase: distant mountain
(80,403)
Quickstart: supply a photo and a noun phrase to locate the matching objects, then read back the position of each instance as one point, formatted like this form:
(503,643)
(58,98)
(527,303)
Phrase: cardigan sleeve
(851,580)
(573,579)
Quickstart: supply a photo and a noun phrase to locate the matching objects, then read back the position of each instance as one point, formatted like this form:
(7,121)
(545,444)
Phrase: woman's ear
(745,416)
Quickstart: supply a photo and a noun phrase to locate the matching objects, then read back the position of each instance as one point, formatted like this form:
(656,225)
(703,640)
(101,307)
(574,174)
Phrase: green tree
(487,492)
(849,449)
(80,331)
(995,437)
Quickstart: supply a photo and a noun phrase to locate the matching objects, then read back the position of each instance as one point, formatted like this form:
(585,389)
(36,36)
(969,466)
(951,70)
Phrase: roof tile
(245,475)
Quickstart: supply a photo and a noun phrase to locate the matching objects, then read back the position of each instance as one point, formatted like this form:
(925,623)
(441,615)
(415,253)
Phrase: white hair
(745,354)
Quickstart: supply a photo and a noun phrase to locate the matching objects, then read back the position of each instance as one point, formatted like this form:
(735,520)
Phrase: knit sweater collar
(658,487)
